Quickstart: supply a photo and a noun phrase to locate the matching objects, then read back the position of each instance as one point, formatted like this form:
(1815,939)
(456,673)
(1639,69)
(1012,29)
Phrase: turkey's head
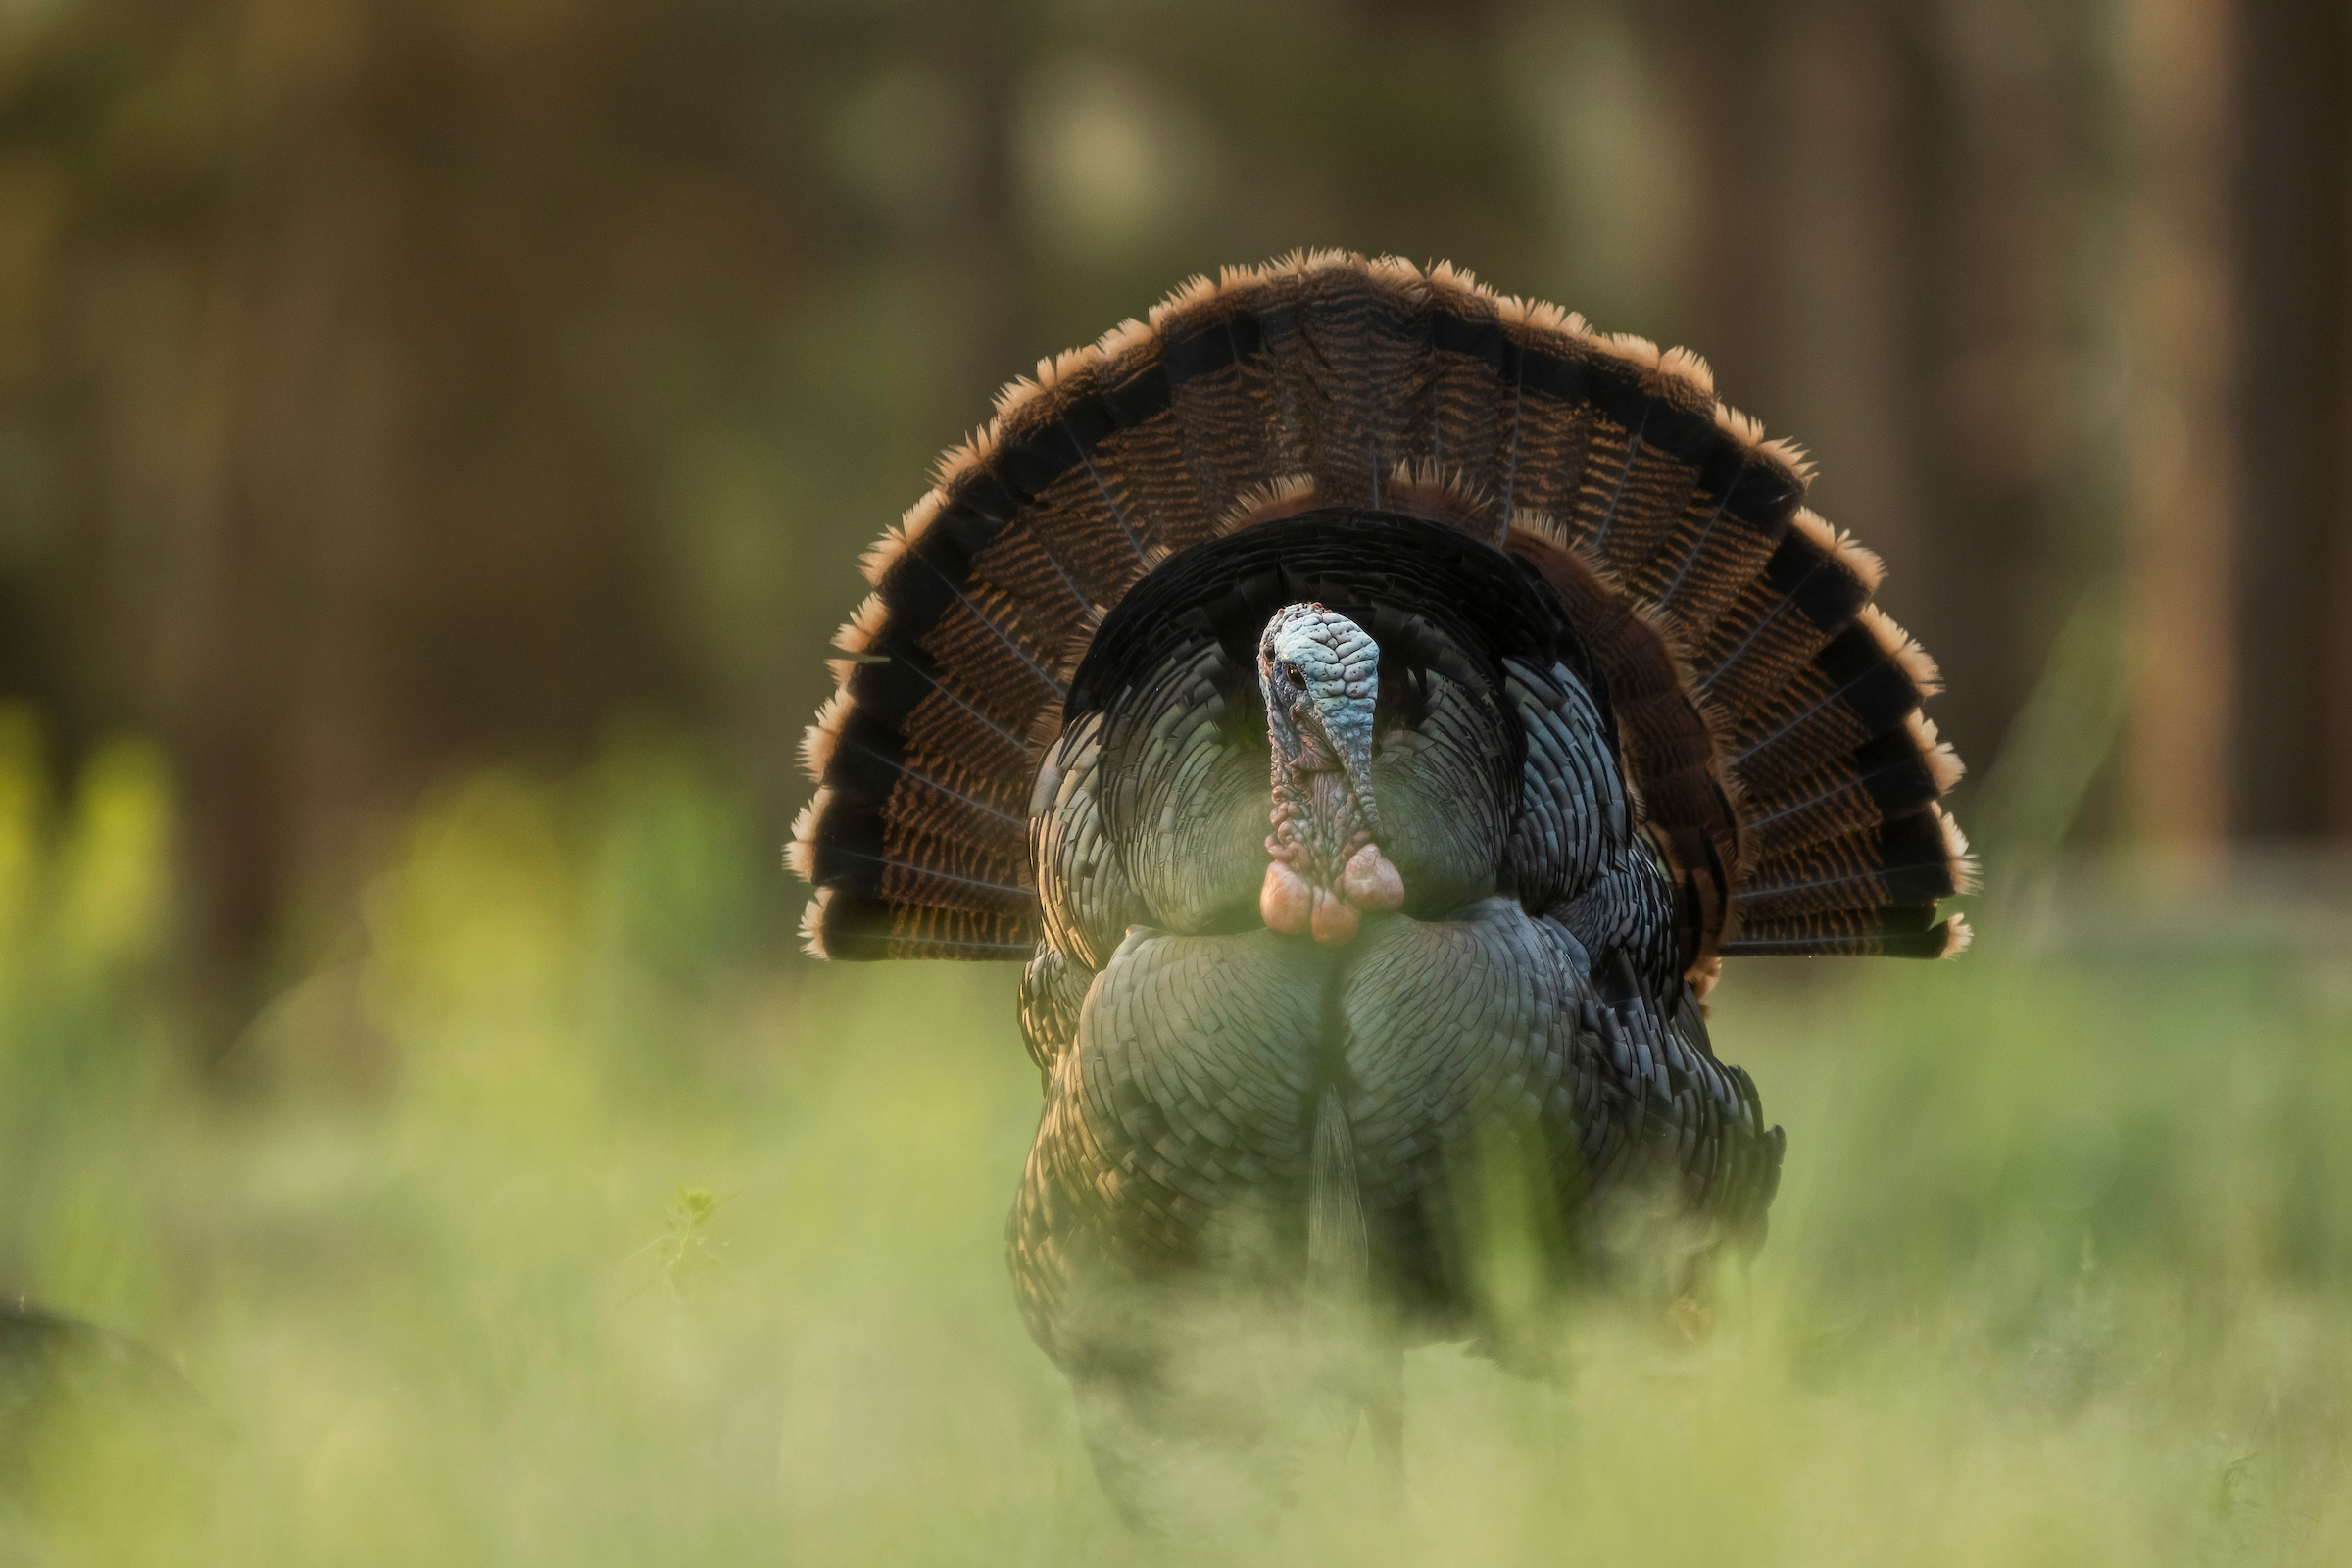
(1320,673)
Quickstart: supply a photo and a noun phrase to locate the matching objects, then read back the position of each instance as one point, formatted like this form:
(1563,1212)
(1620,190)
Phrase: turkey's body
(1550,694)
(1520,1016)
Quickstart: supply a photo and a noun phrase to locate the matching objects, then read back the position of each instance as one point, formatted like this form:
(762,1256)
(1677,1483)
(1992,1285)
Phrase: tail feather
(1885,777)
(1849,693)
(1146,484)
(1947,939)
(1080,523)
(1325,369)
(1475,403)
(1650,494)
(1801,598)
(1233,435)
(1769,716)
(1905,863)
(1712,550)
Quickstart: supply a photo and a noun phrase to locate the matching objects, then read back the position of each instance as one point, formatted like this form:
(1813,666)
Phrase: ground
(564,1223)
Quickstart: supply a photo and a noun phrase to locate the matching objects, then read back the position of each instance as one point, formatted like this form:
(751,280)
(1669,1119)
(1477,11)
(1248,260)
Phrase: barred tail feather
(1768,713)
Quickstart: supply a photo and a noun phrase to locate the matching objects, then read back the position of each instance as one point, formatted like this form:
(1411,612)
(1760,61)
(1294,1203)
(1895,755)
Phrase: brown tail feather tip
(1943,764)
(813,923)
(1454,275)
(1674,373)
(1629,346)
(1957,936)
(1438,492)
(1688,367)
(1860,560)
(1745,429)
(801,852)
(819,739)
(901,536)
(974,451)
(1901,647)
(1051,371)
(867,622)
(1283,496)
(1965,877)
(1790,455)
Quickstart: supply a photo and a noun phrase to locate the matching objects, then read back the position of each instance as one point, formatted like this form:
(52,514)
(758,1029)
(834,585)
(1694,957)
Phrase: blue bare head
(1320,673)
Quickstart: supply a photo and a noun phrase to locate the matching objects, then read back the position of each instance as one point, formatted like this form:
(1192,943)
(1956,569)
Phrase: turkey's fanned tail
(1768,713)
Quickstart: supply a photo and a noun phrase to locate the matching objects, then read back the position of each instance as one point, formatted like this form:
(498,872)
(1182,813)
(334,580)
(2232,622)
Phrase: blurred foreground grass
(565,1222)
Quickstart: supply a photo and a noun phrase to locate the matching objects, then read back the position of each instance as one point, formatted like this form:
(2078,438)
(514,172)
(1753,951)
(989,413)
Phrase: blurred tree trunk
(391,553)
(2293,261)
(2186,488)
(369,334)
(1894,206)
(1995,109)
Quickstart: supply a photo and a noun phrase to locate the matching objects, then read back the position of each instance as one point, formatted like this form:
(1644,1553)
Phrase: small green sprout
(687,1241)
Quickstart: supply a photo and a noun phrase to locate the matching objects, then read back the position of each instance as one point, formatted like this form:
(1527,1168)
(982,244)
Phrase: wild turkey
(1552,694)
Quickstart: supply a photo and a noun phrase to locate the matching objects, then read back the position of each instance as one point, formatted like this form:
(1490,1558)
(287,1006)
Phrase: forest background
(435,443)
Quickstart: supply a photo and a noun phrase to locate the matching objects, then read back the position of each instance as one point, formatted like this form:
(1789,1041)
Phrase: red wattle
(1334,922)
(1371,880)
(1285,900)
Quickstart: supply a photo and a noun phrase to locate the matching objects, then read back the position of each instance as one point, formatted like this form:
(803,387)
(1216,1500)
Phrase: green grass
(564,1222)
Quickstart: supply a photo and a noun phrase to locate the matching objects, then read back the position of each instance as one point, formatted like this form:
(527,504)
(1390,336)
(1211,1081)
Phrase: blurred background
(391,389)
(436,437)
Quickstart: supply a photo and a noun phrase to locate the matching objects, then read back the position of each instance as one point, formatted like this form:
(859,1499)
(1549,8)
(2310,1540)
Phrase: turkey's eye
(1290,672)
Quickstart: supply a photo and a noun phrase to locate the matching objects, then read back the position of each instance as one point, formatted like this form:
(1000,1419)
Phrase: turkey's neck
(1324,865)
(1318,822)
